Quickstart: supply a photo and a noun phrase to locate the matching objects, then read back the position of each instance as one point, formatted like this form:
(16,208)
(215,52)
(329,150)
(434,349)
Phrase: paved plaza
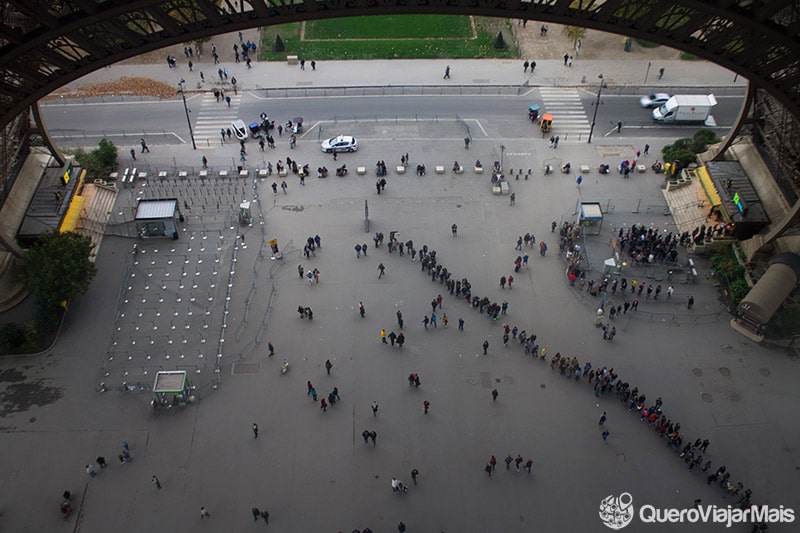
(210,301)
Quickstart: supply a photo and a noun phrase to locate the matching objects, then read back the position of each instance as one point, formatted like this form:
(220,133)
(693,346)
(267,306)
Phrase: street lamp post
(502,151)
(596,106)
(186,110)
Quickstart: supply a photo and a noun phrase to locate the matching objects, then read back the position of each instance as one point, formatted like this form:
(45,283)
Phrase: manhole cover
(764,371)
(697,372)
(725,371)
(245,368)
(707,397)
(734,397)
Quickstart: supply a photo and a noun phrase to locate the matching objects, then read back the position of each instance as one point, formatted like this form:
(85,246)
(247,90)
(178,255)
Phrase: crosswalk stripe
(569,116)
(215,116)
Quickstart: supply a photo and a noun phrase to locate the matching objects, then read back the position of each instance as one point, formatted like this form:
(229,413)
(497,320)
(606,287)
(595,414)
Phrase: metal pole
(502,151)
(596,106)
(648,72)
(186,110)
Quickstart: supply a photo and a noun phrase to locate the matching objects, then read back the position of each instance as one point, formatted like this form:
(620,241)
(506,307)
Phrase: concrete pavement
(311,469)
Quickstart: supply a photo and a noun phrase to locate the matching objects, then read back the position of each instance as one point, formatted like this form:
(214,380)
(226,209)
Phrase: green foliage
(785,323)
(706,136)
(57,268)
(446,39)
(689,57)
(499,42)
(99,162)
(574,33)
(647,44)
(685,150)
(739,289)
(11,338)
(278,46)
(391,27)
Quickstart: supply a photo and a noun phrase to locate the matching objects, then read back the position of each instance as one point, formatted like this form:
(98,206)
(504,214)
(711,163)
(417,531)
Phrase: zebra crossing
(213,117)
(570,122)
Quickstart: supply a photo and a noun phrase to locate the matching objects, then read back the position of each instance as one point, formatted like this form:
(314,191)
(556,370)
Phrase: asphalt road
(83,123)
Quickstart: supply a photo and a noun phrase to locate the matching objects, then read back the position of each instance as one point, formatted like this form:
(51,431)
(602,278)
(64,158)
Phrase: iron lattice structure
(45,44)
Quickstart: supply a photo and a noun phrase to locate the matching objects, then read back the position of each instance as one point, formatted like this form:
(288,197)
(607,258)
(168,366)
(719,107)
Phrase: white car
(654,100)
(240,130)
(341,143)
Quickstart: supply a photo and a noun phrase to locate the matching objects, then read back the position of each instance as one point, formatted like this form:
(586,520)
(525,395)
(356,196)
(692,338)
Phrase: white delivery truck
(687,108)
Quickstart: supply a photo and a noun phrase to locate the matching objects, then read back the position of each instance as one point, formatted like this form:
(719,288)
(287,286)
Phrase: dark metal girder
(731,33)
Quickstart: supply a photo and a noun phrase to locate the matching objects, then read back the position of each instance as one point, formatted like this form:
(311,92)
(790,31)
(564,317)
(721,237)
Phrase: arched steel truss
(45,44)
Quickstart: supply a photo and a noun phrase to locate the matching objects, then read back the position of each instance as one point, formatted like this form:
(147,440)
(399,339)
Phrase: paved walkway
(310,468)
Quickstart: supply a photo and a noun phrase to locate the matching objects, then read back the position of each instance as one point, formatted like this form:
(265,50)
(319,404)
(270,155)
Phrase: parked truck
(687,108)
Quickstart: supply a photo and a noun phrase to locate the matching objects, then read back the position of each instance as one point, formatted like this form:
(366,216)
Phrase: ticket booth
(591,218)
(171,390)
(158,218)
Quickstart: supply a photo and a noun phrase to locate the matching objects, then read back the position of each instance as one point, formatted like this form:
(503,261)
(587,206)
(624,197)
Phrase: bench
(401,169)
(440,169)
(283,172)
(496,190)
(162,174)
(478,170)
(641,169)
(459,170)
(292,60)
(504,187)
(223,173)
(140,175)
(204,173)
(361,170)
(263,173)
(113,175)
(182,174)
(244,173)
(584,169)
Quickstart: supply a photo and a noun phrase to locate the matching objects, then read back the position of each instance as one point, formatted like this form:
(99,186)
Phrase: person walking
(144,146)
(101,461)
(256,513)
(328,366)
(323,405)
(460,324)
(508,461)
(361,310)
(425,322)
(204,513)
(690,303)
(374,408)
(660,73)
(271,349)
(602,419)
(133,154)
(513,198)
(485,347)
(495,394)
(156,483)
(383,336)
(605,435)
(454,230)
(426,405)
(447,72)
(493,462)
(400,319)
(90,471)
(264,513)
(381,270)
(518,462)
(255,430)
(528,466)
(414,474)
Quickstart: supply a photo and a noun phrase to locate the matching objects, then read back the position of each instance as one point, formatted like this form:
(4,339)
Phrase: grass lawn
(390,37)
